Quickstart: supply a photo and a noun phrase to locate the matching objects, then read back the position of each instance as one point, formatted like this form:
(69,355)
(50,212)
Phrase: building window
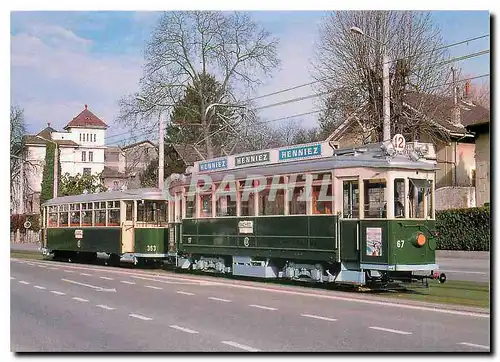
(91,156)
(80,137)
(94,137)
(84,156)
(86,171)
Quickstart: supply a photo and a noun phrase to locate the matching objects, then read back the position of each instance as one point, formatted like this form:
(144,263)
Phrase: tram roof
(368,156)
(132,194)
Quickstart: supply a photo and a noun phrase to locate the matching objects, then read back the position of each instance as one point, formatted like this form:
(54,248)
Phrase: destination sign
(251,159)
(213,165)
(300,152)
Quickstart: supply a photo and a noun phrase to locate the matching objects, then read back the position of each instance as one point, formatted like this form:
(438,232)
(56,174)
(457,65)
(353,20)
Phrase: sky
(60,61)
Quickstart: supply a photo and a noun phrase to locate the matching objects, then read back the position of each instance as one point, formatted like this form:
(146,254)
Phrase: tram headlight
(421,239)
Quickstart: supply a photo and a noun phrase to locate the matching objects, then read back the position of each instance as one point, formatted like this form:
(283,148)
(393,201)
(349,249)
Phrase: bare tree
(349,67)
(184,47)
(480,93)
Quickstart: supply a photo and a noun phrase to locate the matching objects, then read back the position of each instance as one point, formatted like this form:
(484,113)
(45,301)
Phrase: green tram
(129,226)
(368,217)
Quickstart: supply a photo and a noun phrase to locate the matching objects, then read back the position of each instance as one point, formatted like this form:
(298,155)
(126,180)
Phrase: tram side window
(399,198)
(190,205)
(225,201)
(297,202)
(417,189)
(113,213)
(99,214)
(206,205)
(272,201)
(162,212)
(247,201)
(129,208)
(351,199)
(430,206)
(87,214)
(322,195)
(74,211)
(375,198)
(52,216)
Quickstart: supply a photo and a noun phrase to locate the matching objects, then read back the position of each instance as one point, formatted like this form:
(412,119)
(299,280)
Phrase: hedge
(464,229)
(17,222)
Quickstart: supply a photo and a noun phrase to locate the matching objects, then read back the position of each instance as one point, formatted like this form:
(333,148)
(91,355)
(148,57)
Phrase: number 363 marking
(400,243)
(150,247)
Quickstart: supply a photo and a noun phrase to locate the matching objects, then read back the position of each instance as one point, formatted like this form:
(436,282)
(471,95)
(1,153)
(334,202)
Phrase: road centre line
(104,307)
(318,317)
(220,299)
(187,330)
(390,330)
(126,282)
(23,282)
(12,278)
(291,292)
(69,271)
(89,286)
(262,307)
(80,299)
(474,345)
(186,293)
(58,293)
(152,287)
(140,317)
(107,278)
(38,287)
(241,346)
(87,275)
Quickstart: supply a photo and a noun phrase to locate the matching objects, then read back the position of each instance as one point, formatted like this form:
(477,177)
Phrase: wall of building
(483,168)
(449,197)
(456,163)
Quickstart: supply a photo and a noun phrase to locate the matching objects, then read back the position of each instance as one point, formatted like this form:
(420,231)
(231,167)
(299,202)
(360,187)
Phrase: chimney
(85,106)
(48,124)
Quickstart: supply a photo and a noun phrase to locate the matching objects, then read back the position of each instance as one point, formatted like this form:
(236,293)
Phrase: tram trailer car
(376,226)
(129,226)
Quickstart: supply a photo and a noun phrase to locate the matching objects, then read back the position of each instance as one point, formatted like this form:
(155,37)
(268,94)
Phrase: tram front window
(417,189)
(399,198)
(374,196)
(351,200)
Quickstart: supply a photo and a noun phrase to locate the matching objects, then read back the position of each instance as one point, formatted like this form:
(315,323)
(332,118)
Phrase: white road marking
(12,278)
(38,287)
(318,317)
(474,345)
(104,307)
(80,299)
(186,293)
(220,299)
(23,282)
(126,282)
(184,329)
(68,271)
(390,330)
(241,346)
(140,317)
(101,289)
(41,266)
(463,272)
(53,268)
(87,275)
(371,301)
(107,278)
(58,293)
(261,307)
(152,287)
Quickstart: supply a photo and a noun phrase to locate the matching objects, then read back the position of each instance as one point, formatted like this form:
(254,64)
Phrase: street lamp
(55,163)
(385,84)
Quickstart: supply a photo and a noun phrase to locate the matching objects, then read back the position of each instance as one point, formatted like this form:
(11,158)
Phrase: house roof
(108,172)
(189,154)
(86,119)
(137,144)
(440,109)
(34,140)
(47,132)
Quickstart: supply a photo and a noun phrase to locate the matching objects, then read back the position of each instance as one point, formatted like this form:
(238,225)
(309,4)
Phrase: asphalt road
(72,307)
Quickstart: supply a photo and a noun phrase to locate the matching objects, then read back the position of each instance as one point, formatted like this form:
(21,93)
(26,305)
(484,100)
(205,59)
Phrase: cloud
(54,73)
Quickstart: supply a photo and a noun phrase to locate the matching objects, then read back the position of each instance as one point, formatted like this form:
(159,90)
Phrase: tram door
(128,228)
(349,223)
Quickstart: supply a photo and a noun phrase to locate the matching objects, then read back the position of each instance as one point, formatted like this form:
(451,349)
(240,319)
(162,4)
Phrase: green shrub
(464,229)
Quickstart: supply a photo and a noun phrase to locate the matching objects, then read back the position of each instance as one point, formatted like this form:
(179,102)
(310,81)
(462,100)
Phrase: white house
(81,150)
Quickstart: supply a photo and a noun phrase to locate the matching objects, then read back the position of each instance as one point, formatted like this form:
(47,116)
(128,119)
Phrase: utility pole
(454,81)
(387,97)
(21,188)
(56,170)
(161,150)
